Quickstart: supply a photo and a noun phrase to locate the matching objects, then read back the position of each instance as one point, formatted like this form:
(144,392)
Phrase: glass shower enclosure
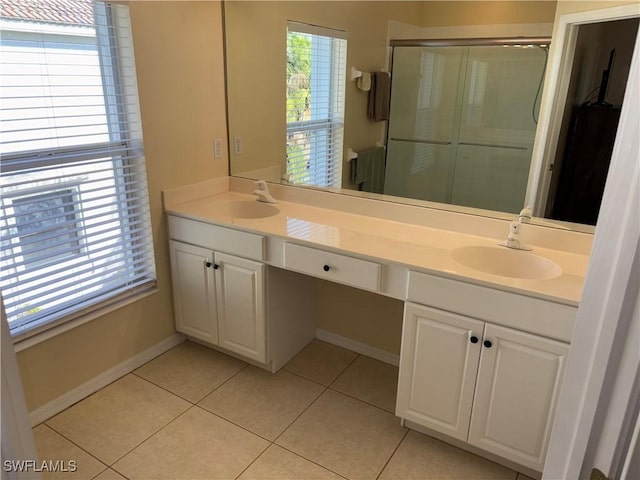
(462,122)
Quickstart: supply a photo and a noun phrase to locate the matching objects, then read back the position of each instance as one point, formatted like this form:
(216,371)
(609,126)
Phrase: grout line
(147,438)
(96,476)
(306,378)
(74,443)
(363,401)
(246,365)
(253,461)
(345,369)
(180,396)
(301,413)
(233,423)
(394,452)
(319,383)
(162,388)
(312,461)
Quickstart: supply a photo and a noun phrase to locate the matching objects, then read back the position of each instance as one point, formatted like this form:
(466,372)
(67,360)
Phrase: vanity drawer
(227,240)
(530,314)
(332,266)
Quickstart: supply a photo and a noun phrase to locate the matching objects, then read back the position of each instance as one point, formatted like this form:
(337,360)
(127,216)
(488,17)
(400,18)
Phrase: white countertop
(418,247)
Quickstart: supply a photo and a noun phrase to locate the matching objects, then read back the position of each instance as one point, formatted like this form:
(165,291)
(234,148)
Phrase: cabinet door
(438,366)
(241,309)
(193,291)
(516,394)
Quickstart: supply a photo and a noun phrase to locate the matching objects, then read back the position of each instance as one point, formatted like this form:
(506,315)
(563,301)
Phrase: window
(316,59)
(74,215)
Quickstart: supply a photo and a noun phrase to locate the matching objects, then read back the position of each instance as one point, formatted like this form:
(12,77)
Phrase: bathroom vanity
(483,351)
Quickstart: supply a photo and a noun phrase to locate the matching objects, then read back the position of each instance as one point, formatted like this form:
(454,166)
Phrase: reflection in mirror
(256,46)
(463,122)
(578,170)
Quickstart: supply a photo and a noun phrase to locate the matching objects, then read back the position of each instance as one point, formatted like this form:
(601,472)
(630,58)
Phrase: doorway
(591,113)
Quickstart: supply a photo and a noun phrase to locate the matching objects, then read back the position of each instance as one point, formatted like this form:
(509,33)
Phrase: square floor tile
(344,435)
(421,457)
(114,420)
(276,463)
(320,362)
(53,447)
(261,401)
(197,445)
(371,381)
(191,371)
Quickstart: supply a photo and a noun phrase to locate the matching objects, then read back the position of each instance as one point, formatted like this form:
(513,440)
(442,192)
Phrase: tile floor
(193,413)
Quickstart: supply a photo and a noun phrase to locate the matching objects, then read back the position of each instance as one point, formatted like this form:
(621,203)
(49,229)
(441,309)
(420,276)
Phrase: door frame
(554,96)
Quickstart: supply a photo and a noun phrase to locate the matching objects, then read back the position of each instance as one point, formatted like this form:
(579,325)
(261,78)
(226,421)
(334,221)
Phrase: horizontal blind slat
(75,217)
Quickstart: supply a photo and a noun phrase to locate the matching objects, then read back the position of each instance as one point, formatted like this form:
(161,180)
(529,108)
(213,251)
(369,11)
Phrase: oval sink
(506,262)
(247,209)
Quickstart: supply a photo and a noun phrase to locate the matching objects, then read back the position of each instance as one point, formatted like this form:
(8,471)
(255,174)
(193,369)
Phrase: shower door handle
(413,140)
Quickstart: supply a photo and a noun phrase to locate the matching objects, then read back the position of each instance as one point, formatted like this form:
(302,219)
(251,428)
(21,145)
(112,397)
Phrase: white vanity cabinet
(219,297)
(194,294)
(491,386)
(241,306)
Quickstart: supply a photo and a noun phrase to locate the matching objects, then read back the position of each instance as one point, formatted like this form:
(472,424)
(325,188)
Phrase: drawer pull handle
(473,339)
(326,268)
(488,344)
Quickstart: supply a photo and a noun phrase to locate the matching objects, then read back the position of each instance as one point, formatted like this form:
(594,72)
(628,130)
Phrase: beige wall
(453,13)
(256,47)
(575,6)
(363,316)
(181,90)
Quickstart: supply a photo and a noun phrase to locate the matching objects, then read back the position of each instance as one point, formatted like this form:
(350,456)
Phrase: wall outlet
(237,145)
(217,148)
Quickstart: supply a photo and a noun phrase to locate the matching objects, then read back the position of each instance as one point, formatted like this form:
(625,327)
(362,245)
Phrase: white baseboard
(358,347)
(67,399)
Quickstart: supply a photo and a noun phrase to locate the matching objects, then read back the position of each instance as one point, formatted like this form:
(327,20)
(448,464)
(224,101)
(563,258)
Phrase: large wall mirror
(456,129)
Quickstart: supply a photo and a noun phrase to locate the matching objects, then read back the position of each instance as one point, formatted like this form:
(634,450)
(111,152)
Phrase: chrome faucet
(263,193)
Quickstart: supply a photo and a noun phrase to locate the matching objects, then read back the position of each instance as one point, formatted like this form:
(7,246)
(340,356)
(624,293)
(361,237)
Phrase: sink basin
(247,209)
(506,262)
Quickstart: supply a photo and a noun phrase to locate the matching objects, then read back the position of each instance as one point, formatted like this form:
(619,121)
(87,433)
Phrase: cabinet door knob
(488,344)
(326,268)
(216,266)
(207,264)
(473,339)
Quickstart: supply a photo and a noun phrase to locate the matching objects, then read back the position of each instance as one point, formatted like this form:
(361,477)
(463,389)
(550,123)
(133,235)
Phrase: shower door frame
(466,42)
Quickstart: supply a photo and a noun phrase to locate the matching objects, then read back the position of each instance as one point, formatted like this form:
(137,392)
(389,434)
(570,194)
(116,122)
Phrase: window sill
(22,343)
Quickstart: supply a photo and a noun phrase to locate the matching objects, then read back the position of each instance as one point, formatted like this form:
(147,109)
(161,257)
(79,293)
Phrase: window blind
(74,221)
(316,73)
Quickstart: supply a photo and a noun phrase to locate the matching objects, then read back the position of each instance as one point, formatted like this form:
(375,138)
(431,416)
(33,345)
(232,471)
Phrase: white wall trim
(358,347)
(67,399)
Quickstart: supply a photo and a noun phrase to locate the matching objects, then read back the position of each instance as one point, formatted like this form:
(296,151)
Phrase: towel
(367,171)
(378,107)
